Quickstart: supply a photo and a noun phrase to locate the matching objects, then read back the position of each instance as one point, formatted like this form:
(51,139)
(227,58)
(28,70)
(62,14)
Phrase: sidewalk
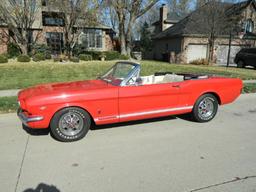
(9,93)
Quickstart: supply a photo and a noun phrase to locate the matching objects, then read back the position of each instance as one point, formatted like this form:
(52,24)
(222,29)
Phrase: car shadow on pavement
(42,187)
(186,117)
(35,132)
(42,132)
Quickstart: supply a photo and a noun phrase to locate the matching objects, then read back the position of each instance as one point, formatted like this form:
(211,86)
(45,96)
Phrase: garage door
(196,52)
(222,54)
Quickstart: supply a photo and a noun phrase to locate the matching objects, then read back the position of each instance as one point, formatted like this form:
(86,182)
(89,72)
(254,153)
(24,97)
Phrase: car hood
(62,88)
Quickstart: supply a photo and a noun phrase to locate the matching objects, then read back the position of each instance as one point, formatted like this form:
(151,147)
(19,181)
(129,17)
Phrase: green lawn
(15,75)
(8,104)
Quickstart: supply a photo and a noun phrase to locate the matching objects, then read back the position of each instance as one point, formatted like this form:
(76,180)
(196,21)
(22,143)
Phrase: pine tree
(145,40)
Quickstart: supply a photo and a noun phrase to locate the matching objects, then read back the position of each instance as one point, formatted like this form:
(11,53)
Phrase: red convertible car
(119,95)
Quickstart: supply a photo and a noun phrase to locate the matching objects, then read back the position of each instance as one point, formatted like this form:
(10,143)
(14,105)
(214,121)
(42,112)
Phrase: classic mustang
(121,94)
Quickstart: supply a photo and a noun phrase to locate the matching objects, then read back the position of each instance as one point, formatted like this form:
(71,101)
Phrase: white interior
(168,78)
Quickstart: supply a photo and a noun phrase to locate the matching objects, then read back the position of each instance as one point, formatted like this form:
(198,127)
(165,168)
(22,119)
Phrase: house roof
(186,27)
(172,18)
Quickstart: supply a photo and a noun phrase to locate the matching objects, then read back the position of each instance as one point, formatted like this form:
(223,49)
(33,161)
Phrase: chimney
(163,16)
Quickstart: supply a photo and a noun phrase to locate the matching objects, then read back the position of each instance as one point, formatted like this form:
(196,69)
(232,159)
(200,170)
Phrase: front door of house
(55,42)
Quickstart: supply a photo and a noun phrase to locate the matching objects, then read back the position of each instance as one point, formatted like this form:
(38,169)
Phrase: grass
(9,104)
(14,75)
(249,88)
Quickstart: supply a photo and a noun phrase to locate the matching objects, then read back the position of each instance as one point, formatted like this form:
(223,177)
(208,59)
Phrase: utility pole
(229,47)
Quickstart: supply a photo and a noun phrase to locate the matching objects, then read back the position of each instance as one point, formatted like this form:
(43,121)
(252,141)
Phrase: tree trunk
(129,35)
(67,46)
(24,49)
(122,39)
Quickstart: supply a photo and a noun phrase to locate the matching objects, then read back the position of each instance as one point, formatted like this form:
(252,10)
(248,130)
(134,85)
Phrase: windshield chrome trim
(135,70)
(131,74)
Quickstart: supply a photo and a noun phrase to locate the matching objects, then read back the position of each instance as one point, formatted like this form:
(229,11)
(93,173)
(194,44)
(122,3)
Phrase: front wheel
(205,108)
(70,124)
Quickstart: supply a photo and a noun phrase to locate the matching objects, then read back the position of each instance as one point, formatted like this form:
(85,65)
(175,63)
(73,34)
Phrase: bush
(112,55)
(200,62)
(23,58)
(13,50)
(48,55)
(124,57)
(39,57)
(41,48)
(74,59)
(56,59)
(6,55)
(85,57)
(3,59)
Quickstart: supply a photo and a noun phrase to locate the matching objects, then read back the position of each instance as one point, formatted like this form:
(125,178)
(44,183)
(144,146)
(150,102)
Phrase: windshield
(118,73)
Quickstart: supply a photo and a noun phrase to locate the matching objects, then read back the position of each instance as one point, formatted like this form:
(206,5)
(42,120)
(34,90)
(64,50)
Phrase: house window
(55,42)
(53,19)
(249,26)
(44,2)
(91,38)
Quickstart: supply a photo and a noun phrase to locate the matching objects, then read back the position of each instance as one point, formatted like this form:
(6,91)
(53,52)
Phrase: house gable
(190,27)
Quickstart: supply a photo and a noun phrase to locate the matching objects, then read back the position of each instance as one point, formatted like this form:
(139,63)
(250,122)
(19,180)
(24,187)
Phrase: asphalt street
(160,155)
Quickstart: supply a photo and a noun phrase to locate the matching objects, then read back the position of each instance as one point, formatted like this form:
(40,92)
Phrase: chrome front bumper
(25,119)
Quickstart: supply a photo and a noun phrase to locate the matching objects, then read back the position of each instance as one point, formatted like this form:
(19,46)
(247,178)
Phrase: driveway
(163,155)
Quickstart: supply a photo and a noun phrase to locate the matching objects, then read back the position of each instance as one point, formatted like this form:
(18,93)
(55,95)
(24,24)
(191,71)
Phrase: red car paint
(107,103)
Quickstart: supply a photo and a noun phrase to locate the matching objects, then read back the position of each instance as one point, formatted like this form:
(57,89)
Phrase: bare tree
(76,15)
(20,16)
(128,11)
(108,16)
(213,20)
(180,6)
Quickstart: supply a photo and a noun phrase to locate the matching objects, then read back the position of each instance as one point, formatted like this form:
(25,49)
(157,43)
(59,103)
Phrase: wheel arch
(76,106)
(214,94)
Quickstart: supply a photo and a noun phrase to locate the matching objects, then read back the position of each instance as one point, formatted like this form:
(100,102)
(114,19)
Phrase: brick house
(48,29)
(182,39)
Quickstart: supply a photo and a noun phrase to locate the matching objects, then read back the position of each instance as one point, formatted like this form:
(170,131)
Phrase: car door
(146,101)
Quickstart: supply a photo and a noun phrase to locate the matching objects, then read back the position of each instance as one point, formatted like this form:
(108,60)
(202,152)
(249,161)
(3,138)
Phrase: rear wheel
(205,108)
(70,124)
(240,64)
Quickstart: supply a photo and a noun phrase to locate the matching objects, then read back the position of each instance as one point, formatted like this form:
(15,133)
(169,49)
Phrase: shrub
(124,57)
(85,57)
(48,55)
(112,55)
(13,50)
(39,57)
(41,48)
(3,59)
(56,59)
(6,55)
(23,58)
(74,59)
(200,62)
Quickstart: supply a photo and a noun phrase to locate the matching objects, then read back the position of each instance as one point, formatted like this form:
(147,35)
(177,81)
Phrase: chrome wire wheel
(206,108)
(71,123)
